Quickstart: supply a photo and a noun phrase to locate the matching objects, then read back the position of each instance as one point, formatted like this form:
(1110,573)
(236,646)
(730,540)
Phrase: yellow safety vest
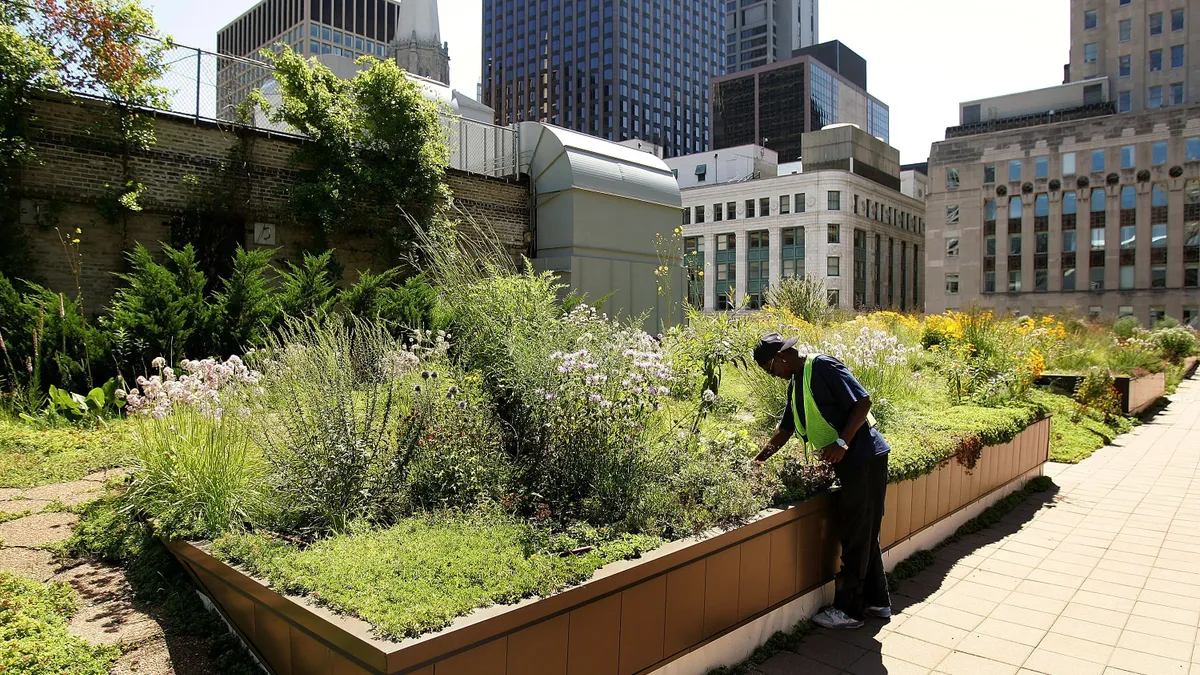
(819,433)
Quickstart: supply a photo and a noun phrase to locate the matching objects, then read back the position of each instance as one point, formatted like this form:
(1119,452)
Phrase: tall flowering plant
(878,360)
(198,383)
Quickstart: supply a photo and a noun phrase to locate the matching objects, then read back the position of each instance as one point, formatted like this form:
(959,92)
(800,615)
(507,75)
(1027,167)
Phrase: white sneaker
(835,618)
(880,612)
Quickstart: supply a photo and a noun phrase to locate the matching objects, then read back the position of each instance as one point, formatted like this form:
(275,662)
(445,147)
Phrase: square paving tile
(913,650)
(1087,630)
(995,648)
(961,663)
(1052,663)
(1157,645)
(1147,664)
(1022,616)
(1075,647)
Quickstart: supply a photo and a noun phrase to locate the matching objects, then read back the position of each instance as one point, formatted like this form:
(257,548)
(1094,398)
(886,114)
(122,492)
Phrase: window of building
(1070,203)
(1099,200)
(1124,311)
(1156,60)
(687,215)
(1193,149)
(1124,66)
(1014,281)
(1041,243)
(951,284)
(952,247)
(1014,244)
(1014,208)
(1177,97)
(730,210)
(1097,160)
(701,172)
(1128,197)
(1125,102)
(1090,20)
(952,179)
(1128,236)
(1097,280)
(1014,170)
(1097,238)
(785,204)
(989,245)
(1176,20)
(1041,167)
(1158,276)
(989,211)
(1158,235)
(1068,162)
(1069,241)
(952,214)
(1068,282)
(699,215)
(764,207)
(1156,23)
(835,234)
(1125,30)
(1177,56)
(1154,97)
(1191,275)
(1190,315)
(718,212)
(1041,205)
(1041,281)
(749,208)
(1128,152)
(1090,53)
(989,173)
(834,298)
(1159,153)
(800,202)
(835,200)
(833,266)
(1126,277)
(989,282)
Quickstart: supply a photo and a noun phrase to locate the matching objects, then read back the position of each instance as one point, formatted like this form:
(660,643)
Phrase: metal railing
(205,86)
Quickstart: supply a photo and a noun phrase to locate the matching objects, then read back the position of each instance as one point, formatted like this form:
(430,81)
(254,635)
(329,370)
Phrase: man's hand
(833,453)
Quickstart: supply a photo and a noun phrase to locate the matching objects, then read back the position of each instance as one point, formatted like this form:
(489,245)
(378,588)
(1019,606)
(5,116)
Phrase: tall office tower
(617,69)
(333,30)
(1141,47)
(774,105)
(759,32)
(418,47)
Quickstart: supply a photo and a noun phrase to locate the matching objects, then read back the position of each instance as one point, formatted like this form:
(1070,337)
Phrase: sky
(923,57)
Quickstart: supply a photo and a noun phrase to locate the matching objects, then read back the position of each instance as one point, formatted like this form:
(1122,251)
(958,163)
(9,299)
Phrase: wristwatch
(843,444)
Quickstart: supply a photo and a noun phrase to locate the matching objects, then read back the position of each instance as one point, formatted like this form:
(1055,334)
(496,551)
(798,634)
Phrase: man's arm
(780,439)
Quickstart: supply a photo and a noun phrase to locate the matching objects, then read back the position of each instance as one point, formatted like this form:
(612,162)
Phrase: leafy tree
(308,289)
(377,147)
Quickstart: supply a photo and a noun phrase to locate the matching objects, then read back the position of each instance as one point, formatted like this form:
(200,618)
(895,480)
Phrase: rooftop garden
(474,436)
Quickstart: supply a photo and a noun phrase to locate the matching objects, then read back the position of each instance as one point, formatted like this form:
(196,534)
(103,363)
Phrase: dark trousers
(859,509)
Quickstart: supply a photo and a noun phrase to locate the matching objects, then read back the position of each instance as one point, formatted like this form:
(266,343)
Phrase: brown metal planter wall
(1144,391)
(632,617)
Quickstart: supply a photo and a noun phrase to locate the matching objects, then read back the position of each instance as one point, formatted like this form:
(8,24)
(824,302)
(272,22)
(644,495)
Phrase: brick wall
(78,168)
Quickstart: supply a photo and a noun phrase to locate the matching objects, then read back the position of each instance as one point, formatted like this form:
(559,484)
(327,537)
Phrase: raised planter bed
(1189,366)
(671,608)
(1137,393)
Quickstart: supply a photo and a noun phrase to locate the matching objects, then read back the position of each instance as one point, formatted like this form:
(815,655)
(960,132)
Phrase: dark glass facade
(616,69)
(775,105)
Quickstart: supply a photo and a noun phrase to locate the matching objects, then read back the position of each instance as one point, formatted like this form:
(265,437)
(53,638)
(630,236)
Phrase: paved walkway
(1100,577)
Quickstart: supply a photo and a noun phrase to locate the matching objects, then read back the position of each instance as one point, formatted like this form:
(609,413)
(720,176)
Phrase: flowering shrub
(878,360)
(199,385)
(1175,343)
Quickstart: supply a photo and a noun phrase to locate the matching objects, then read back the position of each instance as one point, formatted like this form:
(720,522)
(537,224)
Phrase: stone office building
(1099,214)
(843,219)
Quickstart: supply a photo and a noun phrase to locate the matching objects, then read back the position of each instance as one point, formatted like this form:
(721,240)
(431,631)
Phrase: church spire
(419,19)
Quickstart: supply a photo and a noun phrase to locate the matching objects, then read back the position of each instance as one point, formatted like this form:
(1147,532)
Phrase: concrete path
(1101,576)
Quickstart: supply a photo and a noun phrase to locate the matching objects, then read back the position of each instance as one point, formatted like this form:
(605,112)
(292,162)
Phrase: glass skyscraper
(616,69)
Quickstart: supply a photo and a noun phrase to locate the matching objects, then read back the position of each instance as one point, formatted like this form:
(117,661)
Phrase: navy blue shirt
(835,391)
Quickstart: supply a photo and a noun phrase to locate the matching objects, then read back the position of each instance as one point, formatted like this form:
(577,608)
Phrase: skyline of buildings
(616,69)
(1084,196)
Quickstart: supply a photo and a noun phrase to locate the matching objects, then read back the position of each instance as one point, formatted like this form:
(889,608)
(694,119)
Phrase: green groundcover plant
(33,631)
